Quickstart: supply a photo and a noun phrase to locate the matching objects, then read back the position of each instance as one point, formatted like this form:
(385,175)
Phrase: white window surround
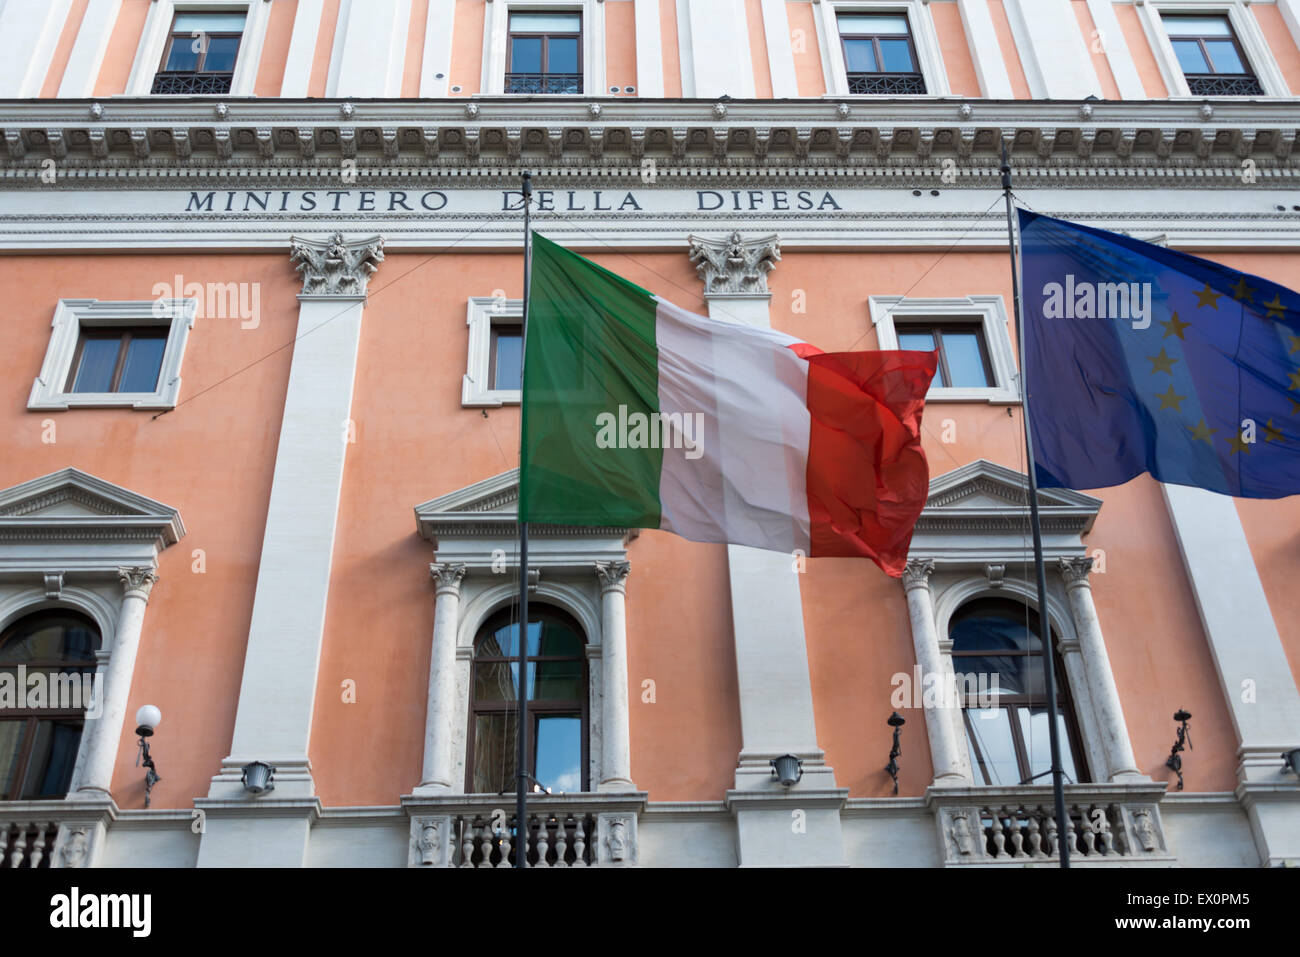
(476,389)
(496,29)
(888,311)
(924,39)
(73,315)
(1244,26)
(157,27)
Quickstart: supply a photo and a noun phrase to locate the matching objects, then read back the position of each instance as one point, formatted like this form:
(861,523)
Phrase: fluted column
(616,747)
(1096,665)
(93,775)
(441,710)
(945,748)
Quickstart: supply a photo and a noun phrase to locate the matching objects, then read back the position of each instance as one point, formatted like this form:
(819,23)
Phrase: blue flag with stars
(1143,359)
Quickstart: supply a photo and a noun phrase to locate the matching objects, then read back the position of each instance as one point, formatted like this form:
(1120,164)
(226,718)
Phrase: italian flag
(639,414)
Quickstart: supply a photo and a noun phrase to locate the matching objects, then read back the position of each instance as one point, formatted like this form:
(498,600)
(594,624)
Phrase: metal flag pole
(1044,624)
(521,756)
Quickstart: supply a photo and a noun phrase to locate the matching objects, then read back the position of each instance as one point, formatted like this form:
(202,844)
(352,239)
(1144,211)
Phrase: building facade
(263,274)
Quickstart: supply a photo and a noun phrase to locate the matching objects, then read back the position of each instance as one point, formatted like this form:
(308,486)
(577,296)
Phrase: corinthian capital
(447,577)
(612,575)
(735,266)
(335,267)
(139,580)
(1075,571)
(916,573)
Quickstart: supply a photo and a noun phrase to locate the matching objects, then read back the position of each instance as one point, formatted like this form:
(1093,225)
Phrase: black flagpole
(1044,622)
(521,756)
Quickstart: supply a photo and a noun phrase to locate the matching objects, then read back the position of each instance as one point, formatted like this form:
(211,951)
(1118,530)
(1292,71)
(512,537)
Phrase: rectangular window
(507,356)
(118,360)
(544,53)
(963,354)
(1210,56)
(200,53)
(879,54)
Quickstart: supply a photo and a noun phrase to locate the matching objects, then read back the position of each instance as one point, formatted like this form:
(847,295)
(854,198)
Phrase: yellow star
(1207,297)
(1162,363)
(1202,433)
(1275,306)
(1242,292)
(1238,444)
(1295,381)
(1295,344)
(1295,406)
(1272,434)
(1170,399)
(1174,327)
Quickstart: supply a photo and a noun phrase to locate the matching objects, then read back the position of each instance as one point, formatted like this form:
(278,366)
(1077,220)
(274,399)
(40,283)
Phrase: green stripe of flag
(590,349)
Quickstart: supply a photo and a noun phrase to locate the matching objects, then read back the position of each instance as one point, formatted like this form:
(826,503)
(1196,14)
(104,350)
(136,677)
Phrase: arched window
(998,639)
(557,703)
(47,661)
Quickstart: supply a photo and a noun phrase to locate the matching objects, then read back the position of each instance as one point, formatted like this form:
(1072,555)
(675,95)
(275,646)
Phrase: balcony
(543,83)
(886,84)
(191,83)
(1219,84)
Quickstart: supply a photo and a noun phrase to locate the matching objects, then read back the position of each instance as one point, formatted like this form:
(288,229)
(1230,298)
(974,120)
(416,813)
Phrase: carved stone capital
(613,575)
(447,577)
(735,266)
(1075,571)
(916,573)
(138,580)
(335,267)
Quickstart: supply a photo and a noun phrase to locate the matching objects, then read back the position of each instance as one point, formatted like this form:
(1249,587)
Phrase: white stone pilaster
(93,775)
(615,745)
(1115,46)
(374,49)
(780,49)
(89,48)
(302,48)
(945,745)
(29,33)
(443,702)
(649,50)
(1052,50)
(720,55)
(985,51)
(1118,751)
(435,67)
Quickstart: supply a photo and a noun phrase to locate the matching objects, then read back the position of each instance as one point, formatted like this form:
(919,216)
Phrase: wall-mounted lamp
(146,720)
(1175,761)
(1291,761)
(258,777)
(895,721)
(787,769)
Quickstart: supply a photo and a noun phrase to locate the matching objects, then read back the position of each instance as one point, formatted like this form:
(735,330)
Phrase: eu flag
(1143,359)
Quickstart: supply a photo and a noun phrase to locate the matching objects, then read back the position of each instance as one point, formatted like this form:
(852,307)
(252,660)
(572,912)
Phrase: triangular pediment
(496,495)
(71,499)
(986,485)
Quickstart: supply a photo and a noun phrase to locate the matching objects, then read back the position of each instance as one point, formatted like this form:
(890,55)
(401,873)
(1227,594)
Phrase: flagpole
(521,756)
(1044,623)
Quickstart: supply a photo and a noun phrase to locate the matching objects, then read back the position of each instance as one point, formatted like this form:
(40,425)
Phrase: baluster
(543,844)
(999,838)
(506,845)
(38,852)
(580,840)
(1017,835)
(1035,836)
(1049,845)
(20,845)
(1089,834)
(466,842)
(4,841)
(487,844)
(1105,840)
(561,844)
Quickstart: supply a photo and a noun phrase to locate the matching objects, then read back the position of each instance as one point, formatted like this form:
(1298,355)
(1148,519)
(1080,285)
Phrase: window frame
(889,312)
(1245,30)
(124,336)
(545,37)
(536,707)
(496,46)
(937,329)
(157,30)
(51,388)
(173,35)
(484,313)
(876,52)
(921,33)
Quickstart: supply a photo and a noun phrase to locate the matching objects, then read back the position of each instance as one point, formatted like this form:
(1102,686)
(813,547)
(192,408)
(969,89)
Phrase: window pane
(183,57)
(98,359)
(11,745)
(1016,674)
(508,352)
(1034,727)
(1224,55)
(562,55)
(559,639)
(557,680)
(921,340)
(896,56)
(1190,59)
(559,752)
(525,54)
(965,355)
(222,52)
(859,56)
(49,638)
(545,22)
(143,362)
(1197,26)
(495,745)
(495,680)
(872,23)
(208,22)
(49,772)
(988,731)
(995,626)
